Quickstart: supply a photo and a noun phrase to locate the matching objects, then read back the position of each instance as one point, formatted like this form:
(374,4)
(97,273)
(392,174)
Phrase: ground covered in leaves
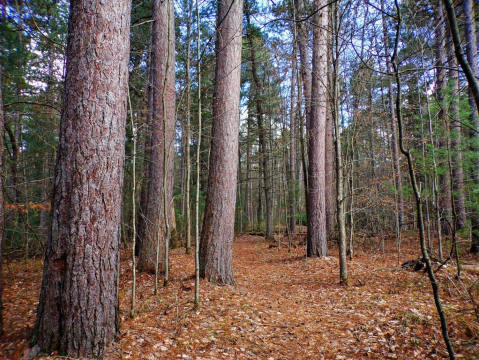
(284,306)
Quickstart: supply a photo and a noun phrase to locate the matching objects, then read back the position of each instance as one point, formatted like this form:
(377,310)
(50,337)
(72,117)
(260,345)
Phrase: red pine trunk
(78,309)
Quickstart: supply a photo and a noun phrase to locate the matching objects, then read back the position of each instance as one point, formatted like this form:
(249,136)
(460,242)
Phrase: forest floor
(283,307)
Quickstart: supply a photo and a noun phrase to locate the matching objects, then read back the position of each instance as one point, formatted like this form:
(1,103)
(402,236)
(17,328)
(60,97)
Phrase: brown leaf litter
(283,307)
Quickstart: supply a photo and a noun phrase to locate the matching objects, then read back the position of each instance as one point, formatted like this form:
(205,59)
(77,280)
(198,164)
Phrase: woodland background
(384,62)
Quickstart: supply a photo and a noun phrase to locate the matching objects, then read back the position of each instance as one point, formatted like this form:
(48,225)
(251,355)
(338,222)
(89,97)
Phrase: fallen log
(470,268)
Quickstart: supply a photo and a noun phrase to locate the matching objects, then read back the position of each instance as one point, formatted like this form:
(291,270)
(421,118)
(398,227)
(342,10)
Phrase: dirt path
(283,307)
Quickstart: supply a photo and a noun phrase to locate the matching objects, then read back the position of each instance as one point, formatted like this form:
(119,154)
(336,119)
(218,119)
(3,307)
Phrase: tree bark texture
(163,84)
(78,308)
(216,250)
(304,60)
(316,238)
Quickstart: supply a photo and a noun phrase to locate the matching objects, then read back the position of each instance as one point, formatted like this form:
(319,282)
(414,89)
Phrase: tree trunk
(186,198)
(329,169)
(471,54)
(263,147)
(163,84)
(141,227)
(216,250)
(316,238)
(457,174)
(198,151)
(466,67)
(394,143)
(248,206)
(329,143)
(343,270)
(445,200)
(417,194)
(304,59)
(78,312)
(293,148)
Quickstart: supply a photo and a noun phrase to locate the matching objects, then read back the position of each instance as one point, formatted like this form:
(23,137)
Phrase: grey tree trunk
(163,84)
(329,173)
(198,151)
(141,227)
(264,149)
(293,148)
(329,141)
(418,198)
(248,206)
(340,213)
(186,198)
(457,174)
(444,199)
(394,142)
(317,237)
(78,312)
(216,249)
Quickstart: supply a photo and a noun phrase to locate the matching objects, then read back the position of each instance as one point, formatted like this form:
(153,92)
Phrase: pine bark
(78,312)
(216,249)
(316,238)
(163,85)
(304,60)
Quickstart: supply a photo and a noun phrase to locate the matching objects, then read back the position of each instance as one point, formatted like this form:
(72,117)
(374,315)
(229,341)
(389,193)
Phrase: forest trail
(283,307)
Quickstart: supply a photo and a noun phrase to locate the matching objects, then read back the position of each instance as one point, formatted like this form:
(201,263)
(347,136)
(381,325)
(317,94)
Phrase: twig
(476,308)
(444,263)
(453,284)
(420,338)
